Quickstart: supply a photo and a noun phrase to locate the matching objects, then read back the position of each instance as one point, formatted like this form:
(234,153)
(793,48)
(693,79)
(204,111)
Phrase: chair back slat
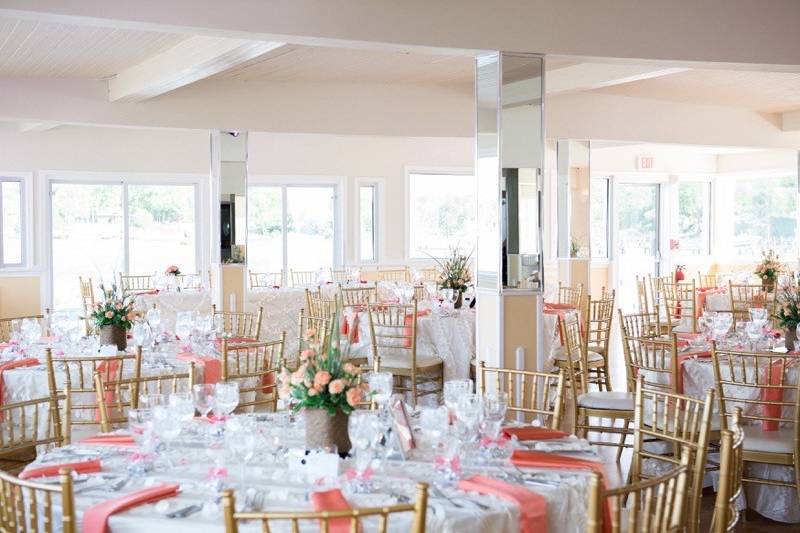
(304,278)
(533,396)
(240,324)
(29,506)
(393,274)
(265,280)
(570,295)
(136,283)
(680,303)
(255,367)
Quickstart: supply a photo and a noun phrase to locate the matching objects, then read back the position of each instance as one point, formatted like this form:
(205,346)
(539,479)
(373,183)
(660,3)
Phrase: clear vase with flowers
(455,274)
(113,316)
(788,314)
(768,269)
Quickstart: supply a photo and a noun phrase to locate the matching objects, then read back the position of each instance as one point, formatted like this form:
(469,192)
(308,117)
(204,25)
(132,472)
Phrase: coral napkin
(83,467)
(526,458)
(333,500)
(349,327)
(682,358)
(533,433)
(95,518)
(212,367)
(702,294)
(532,506)
(561,311)
(769,394)
(111,439)
(407,321)
(30,361)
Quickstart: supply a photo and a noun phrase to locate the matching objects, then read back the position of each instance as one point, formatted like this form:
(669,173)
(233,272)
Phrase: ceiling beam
(587,76)
(189,61)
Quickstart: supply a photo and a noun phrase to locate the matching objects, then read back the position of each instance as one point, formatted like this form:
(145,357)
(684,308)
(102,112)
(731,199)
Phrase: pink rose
(305,354)
(322,378)
(109,314)
(353,396)
(313,391)
(118,306)
(349,368)
(307,334)
(131,316)
(336,386)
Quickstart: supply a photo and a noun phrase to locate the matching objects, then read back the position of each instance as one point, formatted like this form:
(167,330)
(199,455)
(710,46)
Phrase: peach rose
(307,334)
(117,306)
(353,396)
(109,314)
(131,316)
(313,391)
(322,378)
(305,354)
(336,386)
(349,368)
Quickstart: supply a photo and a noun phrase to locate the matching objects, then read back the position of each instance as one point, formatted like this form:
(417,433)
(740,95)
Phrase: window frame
(285,181)
(609,210)
(679,255)
(25,180)
(124,179)
(377,185)
(431,171)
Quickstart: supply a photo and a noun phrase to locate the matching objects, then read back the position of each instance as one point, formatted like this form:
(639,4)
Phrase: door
(638,237)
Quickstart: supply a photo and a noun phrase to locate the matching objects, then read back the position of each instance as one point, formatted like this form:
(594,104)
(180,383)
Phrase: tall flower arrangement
(769,267)
(455,272)
(324,379)
(114,309)
(788,308)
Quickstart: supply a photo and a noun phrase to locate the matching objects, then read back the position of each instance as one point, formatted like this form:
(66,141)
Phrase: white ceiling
(31,48)
(758,91)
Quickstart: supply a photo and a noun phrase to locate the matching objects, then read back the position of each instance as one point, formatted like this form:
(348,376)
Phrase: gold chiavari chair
(570,296)
(656,505)
(132,284)
(681,423)
(116,397)
(320,306)
(81,407)
(608,405)
(537,396)
(358,296)
(638,324)
(30,506)
(240,324)
(265,280)
(427,274)
(654,360)
(303,278)
(393,274)
(326,520)
(656,284)
(750,381)
(320,326)
(729,490)
(597,319)
(642,295)
(744,296)
(30,423)
(595,362)
(87,301)
(255,367)
(706,281)
(420,293)
(190,282)
(680,302)
(6,325)
(340,276)
(393,332)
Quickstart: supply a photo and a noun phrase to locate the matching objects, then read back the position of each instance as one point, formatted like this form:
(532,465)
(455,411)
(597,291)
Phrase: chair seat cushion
(404,361)
(756,440)
(617,400)
(559,354)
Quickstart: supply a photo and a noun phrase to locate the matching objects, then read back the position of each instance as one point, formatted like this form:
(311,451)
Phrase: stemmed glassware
(241,440)
(721,325)
(182,406)
(203,397)
(381,385)
(141,333)
(455,389)
(759,315)
(754,332)
(184,325)
(167,428)
(153,318)
(225,399)
(364,429)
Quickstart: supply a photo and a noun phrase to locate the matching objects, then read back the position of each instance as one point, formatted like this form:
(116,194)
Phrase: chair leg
(622,438)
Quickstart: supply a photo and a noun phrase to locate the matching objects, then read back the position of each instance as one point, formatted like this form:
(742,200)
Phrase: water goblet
(759,315)
(434,422)
(140,425)
(225,399)
(381,385)
(182,406)
(453,390)
(203,397)
(167,427)
(152,400)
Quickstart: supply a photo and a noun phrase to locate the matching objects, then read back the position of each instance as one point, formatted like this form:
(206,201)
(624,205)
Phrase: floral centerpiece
(455,273)
(172,270)
(768,269)
(113,316)
(788,314)
(326,386)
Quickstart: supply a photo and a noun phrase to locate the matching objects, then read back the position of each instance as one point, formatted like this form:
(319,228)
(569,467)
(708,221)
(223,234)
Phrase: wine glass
(434,422)
(182,406)
(225,399)
(754,331)
(153,318)
(141,333)
(241,440)
(364,430)
(469,416)
(167,427)
(759,316)
(453,390)
(495,405)
(140,425)
(722,324)
(203,397)
(381,385)
(151,400)
(184,324)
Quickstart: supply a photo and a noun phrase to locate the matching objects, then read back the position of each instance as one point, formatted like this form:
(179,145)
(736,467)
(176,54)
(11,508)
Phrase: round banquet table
(278,483)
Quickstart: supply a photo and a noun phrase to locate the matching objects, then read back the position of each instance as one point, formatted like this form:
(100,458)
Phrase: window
(12,224)
(102,229)
(764,216)
(599,214)
(291,227)
(367,199)
(441,214)
(694,218)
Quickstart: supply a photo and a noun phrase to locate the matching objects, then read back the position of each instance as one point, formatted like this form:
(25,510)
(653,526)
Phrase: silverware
(185,511)
(443,496)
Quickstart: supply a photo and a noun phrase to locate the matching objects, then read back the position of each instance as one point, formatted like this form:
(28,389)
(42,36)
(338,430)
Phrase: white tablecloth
(284,489)
(172,303)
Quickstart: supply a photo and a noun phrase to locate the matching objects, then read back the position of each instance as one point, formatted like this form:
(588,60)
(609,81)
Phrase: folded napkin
(533,433)
(532,459)
(212,367)
(333,500)
(773,376)
(82,467)
(18,363)
(110,439)
(558,307)
(682,358)
(532,506)
(95,518)
(407,321)
(349,327)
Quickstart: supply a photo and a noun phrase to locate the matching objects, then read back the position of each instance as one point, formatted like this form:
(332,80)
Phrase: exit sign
(644,162)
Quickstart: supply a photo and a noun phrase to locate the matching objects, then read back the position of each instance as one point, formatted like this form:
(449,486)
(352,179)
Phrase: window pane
(264,229)
(366,223)
(765,214)
(694,206)
(162,229)
(87,237)
(309,222)
(598,208)
(441,214)
(12,222)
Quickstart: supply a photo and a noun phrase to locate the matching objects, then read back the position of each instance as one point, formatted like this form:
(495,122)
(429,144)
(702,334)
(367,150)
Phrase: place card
(402,424)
